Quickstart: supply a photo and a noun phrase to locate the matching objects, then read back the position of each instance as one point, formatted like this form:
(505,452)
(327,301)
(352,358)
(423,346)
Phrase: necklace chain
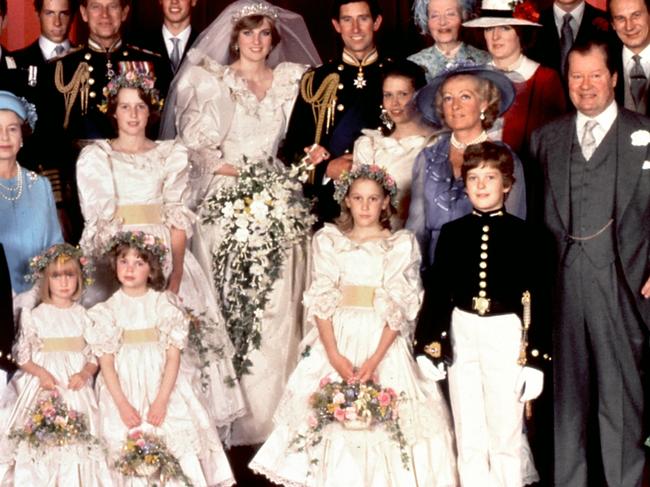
(16,190)
(482,137)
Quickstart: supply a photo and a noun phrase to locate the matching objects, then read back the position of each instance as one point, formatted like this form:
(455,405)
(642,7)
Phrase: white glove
(430,371)
(529,383)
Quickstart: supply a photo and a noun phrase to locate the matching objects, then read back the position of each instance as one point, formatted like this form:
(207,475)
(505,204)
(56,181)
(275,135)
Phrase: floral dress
(138,331)
(368,457)
(66,465)
(221,121)
(111,181)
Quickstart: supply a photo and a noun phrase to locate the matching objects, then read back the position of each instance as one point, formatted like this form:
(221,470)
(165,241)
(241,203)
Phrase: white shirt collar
(47,46)
(605,121)
(522,70)
(184,36)
(627,57)
(577,14)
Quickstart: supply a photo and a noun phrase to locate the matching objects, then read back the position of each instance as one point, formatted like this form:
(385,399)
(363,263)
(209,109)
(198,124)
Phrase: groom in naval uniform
(337,100)
(595,166)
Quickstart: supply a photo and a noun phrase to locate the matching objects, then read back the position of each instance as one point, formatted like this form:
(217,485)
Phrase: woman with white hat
(442,20)
(539,91)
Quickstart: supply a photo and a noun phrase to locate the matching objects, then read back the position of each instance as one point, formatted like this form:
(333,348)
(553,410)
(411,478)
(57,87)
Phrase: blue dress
(437,197)
(28,225)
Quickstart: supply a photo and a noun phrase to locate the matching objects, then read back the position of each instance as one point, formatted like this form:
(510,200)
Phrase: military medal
(109,69)
(360,81)
(481,305)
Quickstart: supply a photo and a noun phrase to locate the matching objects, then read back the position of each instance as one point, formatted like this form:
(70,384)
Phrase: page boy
(485,262)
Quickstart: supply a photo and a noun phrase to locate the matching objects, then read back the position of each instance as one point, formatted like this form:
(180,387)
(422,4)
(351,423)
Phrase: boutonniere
(600,23)
(640,138)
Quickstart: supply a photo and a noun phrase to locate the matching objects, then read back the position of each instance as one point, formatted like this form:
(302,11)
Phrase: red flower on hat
(525,11)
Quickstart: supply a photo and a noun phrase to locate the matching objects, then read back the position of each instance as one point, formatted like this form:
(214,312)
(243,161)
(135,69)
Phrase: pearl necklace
(17,189)
(456,144)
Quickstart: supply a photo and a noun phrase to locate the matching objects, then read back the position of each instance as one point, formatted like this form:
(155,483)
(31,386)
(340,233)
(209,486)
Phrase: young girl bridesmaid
(363,300)
(138,335)
(53,358)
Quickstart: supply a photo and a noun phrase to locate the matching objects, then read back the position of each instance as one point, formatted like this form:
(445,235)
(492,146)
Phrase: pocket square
(646,165)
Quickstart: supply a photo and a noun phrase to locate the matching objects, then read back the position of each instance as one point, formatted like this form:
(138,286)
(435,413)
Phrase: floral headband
(132,76)
(259,8)
(144,242)
(366,171)
(64,251)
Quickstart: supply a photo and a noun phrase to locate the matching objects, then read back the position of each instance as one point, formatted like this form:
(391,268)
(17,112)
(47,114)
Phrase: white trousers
(488,416)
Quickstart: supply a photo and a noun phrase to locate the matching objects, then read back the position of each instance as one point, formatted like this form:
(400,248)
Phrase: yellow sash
(64,344)
(140,214)
(141,335)
(357,296)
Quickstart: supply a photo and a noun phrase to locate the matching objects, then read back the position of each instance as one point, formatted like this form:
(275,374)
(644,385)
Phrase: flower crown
(255,9)
(132,76)
(366,171)
(144,242)
(64,251)
(524,10)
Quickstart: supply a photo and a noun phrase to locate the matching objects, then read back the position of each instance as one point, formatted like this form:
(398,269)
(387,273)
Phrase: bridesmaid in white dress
(403,135)
(134,183)
(228,114)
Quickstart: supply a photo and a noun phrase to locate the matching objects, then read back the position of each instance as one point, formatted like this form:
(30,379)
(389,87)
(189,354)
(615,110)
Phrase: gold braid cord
(78,84)
(523,347)
(323,102)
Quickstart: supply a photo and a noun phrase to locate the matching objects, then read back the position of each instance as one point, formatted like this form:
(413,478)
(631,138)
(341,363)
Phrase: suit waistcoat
(592,185)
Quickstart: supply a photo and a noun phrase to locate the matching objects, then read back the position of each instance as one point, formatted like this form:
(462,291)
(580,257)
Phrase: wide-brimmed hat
(504,12)
(426,97)
(20,106)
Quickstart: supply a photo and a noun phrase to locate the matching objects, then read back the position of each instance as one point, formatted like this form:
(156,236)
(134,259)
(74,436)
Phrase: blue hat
(427,96)
(20,106)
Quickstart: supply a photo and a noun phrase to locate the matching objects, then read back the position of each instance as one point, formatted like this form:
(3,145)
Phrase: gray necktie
(638,83)
(566,41)
(588,141)
(175,56)
(58,50)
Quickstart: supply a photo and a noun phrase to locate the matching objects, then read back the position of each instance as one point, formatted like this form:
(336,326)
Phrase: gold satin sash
(140,214)
(357,296)
(64,344)
(141,335)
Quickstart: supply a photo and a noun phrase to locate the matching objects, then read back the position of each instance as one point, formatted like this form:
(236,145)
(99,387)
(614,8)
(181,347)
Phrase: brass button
(125,53)
(90,69)
(91,81)
(483,246)
(483,255)
(485,238)
(482,265)
(87,56)
(482,284)
(340,68)
(486,228)
(92,94)
(340,107)
(482,274)
(340,86)
(482,294)
(535,353)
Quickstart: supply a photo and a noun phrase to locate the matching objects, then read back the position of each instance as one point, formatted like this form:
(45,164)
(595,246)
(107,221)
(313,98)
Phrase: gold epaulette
(78,85)
(323,101)
(143,50)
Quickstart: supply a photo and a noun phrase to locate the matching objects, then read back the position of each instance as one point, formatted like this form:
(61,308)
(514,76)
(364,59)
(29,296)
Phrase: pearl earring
(482,116)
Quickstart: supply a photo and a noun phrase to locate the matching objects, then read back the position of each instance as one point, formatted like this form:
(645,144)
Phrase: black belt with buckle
(485,307)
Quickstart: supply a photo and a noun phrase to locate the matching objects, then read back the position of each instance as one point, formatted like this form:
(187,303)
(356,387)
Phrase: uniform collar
(487,214)
(96,47)
(371,57)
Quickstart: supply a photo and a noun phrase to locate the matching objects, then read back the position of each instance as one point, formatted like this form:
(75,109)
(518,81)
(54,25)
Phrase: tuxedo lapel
(558,167)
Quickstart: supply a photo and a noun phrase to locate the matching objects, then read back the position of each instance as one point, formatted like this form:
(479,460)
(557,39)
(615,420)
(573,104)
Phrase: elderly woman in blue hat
(28,220)
(443,20)
(466,100)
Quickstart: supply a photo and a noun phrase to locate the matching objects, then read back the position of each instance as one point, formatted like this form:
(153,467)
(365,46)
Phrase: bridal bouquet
(260,216)
(52,423)
(355,406)
(146,455)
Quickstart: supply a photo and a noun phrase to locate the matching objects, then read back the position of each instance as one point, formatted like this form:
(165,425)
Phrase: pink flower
(149,240)
(324,381)
(391,391)
(134,435)
(339,415)
(72,414)
(312,421)
(338,398)
(83,261)
(384,398)
(350,413)
(140,442)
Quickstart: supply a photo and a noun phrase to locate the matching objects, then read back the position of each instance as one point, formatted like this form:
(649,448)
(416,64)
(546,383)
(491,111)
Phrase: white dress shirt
(48,47)
(184,37)
(577,14)
(628,63)
(605,121)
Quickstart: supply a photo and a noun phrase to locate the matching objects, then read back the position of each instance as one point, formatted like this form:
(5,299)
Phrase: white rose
(640,138)
(241,235)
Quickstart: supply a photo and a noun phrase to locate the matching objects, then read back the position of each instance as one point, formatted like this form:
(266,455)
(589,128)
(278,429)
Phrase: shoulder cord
(323,102)
(78,84)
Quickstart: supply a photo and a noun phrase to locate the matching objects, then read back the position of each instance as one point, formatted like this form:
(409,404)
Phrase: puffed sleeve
(516,200)
(174,324)
(399,298)
(176,189)
(97,198)
(87,351)
(323,295)
(103,335)
(204,110)
(364,151)
(28,341)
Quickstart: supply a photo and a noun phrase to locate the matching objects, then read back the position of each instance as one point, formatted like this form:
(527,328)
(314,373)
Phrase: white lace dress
(220,120)
(368,458)
(397,157)
(187,429)
(109,180)
(61,466)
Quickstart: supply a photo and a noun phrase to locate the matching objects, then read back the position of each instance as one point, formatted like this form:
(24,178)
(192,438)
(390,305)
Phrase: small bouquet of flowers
(260,216)
(146,455)
(52,423)
(355,406)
